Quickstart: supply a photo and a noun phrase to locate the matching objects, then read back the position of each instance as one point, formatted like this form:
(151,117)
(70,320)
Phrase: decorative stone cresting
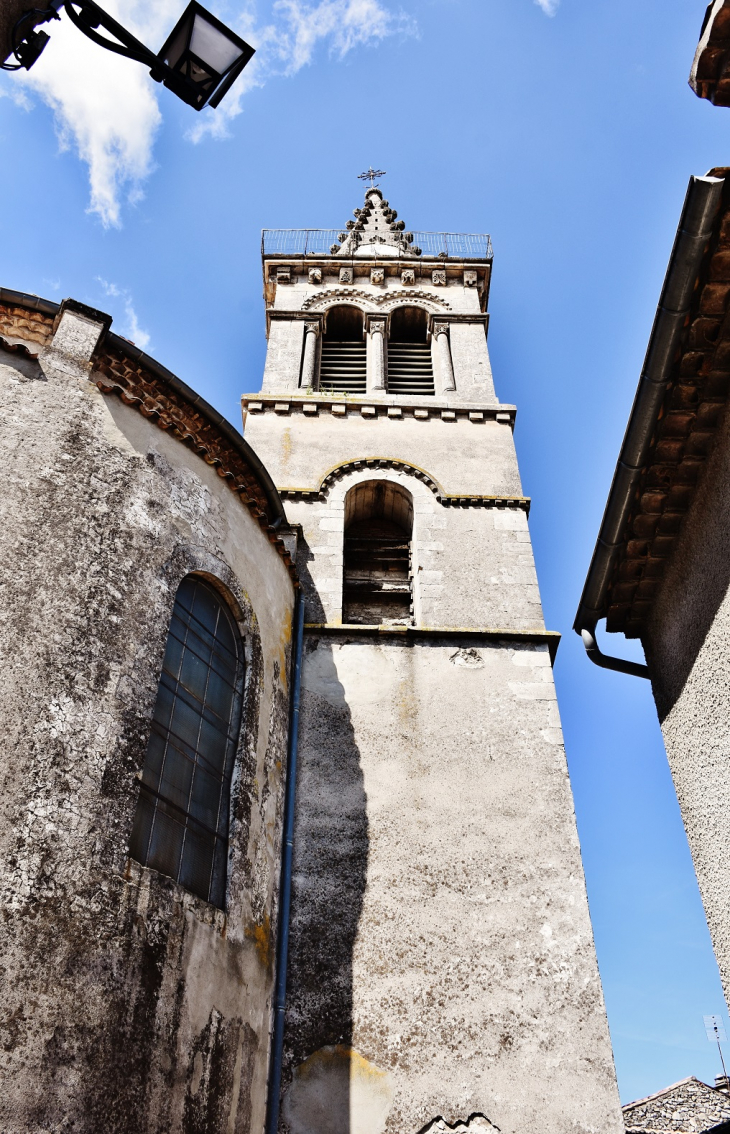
(448,499)
(115,374)
(334,295)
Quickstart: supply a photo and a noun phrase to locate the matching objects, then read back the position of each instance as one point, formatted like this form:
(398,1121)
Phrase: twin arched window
(343,362)
(181,823)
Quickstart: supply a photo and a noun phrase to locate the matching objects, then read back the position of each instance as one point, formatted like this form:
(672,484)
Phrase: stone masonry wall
(470,356)
(502,592)
(443,973)
(689,1107)
(129,1005)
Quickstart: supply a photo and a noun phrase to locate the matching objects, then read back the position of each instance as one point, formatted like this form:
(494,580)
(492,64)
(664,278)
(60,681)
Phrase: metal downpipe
(605,661)
(287,854)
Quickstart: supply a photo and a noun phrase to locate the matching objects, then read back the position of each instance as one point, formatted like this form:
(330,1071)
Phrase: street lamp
(199,61)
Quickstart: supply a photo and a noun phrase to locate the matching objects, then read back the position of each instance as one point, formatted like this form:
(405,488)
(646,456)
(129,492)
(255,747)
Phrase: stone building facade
(687,1107)
(442,972)
(131,1003)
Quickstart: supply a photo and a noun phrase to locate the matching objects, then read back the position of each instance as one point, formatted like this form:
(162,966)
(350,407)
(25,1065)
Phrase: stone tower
(442,967)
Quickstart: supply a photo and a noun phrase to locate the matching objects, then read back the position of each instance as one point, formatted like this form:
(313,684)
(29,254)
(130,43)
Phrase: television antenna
(715,1030)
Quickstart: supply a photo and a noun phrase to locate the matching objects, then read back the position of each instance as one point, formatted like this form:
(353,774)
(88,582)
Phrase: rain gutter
(695,229)
(287,857)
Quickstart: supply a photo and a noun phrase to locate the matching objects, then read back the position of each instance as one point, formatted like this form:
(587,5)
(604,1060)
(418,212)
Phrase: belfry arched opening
(343,368)
(377,554)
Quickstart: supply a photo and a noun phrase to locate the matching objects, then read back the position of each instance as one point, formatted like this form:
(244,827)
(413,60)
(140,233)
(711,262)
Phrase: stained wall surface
(129,1004)
(442,957)
(687,644)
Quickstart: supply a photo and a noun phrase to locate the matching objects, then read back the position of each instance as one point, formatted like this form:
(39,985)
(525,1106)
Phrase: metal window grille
(181,823)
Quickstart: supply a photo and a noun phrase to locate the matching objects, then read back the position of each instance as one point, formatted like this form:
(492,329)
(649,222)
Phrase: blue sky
(568,131)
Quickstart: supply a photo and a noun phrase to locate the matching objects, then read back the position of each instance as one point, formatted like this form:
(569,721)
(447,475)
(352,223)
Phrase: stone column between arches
(376,330)
(443,347)
(309,357)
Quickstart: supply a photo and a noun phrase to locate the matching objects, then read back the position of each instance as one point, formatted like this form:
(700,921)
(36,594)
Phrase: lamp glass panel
(178,44)
(212,46)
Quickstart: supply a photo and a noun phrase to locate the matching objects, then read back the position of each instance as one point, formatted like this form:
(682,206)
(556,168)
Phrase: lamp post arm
(90,16)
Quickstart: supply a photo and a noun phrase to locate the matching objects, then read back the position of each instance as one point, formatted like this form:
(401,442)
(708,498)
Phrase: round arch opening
(345,323)
(377,554)
(409,325)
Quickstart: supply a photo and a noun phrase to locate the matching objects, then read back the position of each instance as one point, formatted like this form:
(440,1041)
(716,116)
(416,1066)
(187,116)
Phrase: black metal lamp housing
(199,61)
(204,56)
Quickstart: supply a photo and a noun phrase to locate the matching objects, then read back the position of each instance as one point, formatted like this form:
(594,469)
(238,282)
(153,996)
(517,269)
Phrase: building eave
(710,74)
(678,406)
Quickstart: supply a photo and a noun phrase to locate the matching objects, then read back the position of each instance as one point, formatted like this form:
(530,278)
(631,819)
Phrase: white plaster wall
(463,456)
(687,642)
(441,933)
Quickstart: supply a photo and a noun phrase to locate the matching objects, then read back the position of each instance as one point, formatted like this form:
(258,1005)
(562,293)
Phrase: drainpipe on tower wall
(287,856)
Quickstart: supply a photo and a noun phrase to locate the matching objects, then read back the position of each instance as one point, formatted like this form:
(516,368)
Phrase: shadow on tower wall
(330,871)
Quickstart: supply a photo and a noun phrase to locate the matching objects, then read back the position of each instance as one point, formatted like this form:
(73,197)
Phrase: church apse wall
(137,998)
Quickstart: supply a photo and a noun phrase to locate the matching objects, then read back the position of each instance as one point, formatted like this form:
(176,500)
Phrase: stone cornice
(487,635)
(397,407)
(458,500)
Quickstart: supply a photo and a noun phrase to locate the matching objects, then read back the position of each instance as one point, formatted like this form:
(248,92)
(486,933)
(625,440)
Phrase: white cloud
(131,327)
(106,108)
(549,7)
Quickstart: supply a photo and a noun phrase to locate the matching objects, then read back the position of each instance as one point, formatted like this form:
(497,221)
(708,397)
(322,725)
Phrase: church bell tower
(442,973)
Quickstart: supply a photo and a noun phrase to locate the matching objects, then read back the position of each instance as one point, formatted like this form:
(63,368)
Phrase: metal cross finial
(371,175)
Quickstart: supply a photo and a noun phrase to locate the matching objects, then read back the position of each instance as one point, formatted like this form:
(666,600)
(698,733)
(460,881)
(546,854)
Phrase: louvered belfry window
(410,368)
(343,365)
(181,824)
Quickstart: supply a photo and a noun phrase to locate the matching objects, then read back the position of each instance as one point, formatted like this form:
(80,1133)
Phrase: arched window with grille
(181,823)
